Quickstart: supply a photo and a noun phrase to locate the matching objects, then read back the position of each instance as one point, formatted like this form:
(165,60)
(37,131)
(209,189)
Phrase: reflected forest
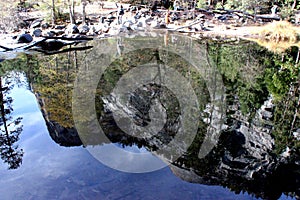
(259,145)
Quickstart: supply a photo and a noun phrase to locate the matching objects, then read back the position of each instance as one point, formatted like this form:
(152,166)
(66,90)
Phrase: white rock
(154,24)
(84,29)
(286,153)
(296,135)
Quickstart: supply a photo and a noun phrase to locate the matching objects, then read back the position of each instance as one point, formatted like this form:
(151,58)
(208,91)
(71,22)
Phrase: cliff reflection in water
(258,122)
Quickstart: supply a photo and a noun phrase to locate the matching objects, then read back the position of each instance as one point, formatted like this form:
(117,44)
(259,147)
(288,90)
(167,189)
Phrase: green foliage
(286,12)
(250,6)
(280,74)
(201,4)
(219,5)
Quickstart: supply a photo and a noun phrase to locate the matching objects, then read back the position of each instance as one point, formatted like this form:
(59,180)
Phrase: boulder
(45,25)
(24,38)
(84,29)
(37,33)
(36,23)
(127,24)
(60,27)
(154,24)
(71,29)
(142,22)
(50,33)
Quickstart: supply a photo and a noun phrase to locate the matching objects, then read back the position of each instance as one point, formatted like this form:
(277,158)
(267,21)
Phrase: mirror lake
(144,117)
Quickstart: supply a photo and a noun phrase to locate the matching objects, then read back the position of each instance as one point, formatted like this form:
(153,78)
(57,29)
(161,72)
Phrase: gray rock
(142,22)
(127,24)
(24,38)
(45,25)
(72,29)
(84,29)
(105,29)
(60,27)
(111,17)
(162,25)
(36,23)
(37,33)
(97,28)
(50,33)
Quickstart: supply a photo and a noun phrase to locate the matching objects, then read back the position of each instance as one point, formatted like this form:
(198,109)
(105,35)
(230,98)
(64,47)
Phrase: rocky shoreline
(108,23)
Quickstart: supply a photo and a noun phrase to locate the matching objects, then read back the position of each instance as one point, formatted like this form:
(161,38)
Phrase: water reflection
(258,148)
(11,127)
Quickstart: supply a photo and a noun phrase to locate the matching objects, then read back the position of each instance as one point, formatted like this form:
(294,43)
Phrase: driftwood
(189,25)
(251,16)
(240,13)
(49,45)
(68,39)
(25,47)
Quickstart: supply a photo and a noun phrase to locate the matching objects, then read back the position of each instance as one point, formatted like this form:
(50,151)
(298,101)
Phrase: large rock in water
(24,38)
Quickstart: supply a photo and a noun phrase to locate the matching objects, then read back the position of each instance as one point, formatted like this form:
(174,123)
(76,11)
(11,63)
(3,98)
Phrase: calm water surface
(51,159)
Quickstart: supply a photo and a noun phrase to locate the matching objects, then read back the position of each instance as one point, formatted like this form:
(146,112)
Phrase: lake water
(151,117)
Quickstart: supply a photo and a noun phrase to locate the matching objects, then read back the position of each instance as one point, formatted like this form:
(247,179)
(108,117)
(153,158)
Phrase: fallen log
(47,45)
(24,47)
(189,25)
(68,39)
(6,48)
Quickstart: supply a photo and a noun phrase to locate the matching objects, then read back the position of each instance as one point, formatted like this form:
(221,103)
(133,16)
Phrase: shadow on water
(257,118)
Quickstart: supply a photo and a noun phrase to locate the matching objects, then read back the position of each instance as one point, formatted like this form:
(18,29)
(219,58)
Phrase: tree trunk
(298,56)
(294,4)
(71,11)
(53,12)
(83,2)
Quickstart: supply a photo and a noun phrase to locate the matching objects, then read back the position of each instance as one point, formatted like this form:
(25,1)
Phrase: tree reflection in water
(10,129)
